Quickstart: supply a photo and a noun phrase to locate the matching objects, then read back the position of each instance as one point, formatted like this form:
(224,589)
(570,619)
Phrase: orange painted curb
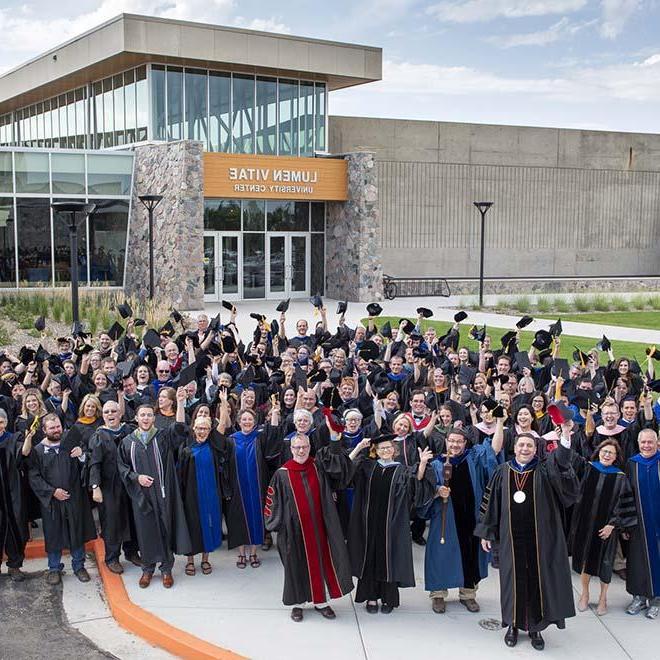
(139,621)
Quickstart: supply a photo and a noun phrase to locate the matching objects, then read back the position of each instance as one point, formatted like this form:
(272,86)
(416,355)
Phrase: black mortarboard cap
(342,306)
(228,343)
(317,301)
(176,316)
(151,338)
(604,344)
(498,411)
(374,309)
(508,338)
(490,404)
(369,350)
(384,437)
(139,322)
(283,305)
(187,375)
(466,374)
(425,312)
(247,376)
(408,325)
(83,349)
(317,376)
(560,367)
(228,305)
(125,310)
(653,352)
(330,398)
(335,376)
(192,334)
(386,330)
(277,377)
(460,316)
(55,365)
(259,318)
(167,329)
(524,322)
(580,356)
(40,324)
(300,377)
(556,329)
(542,340)
(478,334)
(421,353)
(214,323)
(654,385)
(64,381)
(274,328)
(41,354)
(634,366)
(26,355)
(115,331)
(522,360)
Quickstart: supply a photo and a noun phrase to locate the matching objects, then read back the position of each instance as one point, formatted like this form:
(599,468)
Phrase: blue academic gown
(443,566)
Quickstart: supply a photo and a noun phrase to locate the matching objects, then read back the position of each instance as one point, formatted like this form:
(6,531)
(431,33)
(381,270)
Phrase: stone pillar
(174,170)
(354,267)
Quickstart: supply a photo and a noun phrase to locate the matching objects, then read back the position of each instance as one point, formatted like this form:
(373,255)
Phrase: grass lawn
(650,319)
(568,343)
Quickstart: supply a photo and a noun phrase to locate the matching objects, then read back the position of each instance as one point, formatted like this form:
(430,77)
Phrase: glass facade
(34,242)
(232,113)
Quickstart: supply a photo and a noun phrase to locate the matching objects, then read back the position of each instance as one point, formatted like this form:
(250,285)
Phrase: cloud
(615,14)
(479,11)
(271,24)
(562,29)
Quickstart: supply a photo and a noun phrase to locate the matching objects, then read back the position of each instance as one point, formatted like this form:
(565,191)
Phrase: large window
(158,108)
(7,247)
(68,173)
(107,242)
(288,108)
(266,116)
(109,175)
(196,105)
(243,114)
(174,103)
(34,251)
(62,247)
(32,172)
(6,173)
(220,111)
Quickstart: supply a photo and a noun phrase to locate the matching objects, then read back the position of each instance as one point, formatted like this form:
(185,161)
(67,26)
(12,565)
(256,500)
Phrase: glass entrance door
(222,266)
(287,263)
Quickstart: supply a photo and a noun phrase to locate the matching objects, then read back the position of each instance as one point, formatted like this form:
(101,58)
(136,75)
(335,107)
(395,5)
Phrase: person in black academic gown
(14,451)
(117,526)
(521,511)
(379,541)
(201,469)
(605,508)
(300,508)
(146,465)
(56,479)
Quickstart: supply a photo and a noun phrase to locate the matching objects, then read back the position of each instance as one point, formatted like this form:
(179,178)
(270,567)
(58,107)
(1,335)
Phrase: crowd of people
(344,446)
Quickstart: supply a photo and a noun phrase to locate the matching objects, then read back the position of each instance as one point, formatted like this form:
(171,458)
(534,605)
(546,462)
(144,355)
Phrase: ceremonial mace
(447,469)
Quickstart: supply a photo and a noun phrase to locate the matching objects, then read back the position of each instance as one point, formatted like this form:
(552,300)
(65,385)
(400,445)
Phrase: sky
(592,64)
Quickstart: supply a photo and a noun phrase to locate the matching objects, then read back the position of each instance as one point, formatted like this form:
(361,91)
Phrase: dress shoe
(115,567)
(168,580)
(297,614)
(372,607)
(145,580)
(326,612)
(385,608)
(82,575)
(538,642)
(54,578)
(439,605)
(511,637)
(16,575)
(637,605)
(470,604)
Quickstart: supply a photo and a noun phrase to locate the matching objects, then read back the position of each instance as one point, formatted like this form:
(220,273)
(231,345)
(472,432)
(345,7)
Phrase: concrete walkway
(406,307)
(242,610)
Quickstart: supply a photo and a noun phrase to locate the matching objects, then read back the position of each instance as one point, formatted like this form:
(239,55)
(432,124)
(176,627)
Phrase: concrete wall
(566,203)
(174,170)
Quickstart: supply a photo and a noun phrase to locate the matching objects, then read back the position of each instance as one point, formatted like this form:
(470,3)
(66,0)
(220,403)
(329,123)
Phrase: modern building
(264,195)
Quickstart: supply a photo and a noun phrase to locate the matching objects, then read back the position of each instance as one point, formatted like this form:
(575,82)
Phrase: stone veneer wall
(353,264)
(174,170)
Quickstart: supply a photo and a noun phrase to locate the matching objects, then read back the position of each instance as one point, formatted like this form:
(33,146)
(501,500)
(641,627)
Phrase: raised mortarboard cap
(460,316)
(125,368)
(317,376)
(259,318)
(466,374)
(277,377)
(26,355)
(425,312)
(490,404)
(41,355)
(555,328)
(274,328)
(542,340)
(386,330)
(283,305)
(524,322)
(580,356)
(228,305)
(151,338)
(125,310)
(115,331)
(342,306)
(316,301)
(214,323)
(176,316)
(139,322)
(408,325)
(653,352)
(228,343)
(478,334)
(384,437)
(214,349)
(604,344)
(654,385)
(167,329)
(369,351)
(374,309)
(186,375)
(330,398)
(560,367)
(522,360)
(508,338)
(40,324)
(55,365)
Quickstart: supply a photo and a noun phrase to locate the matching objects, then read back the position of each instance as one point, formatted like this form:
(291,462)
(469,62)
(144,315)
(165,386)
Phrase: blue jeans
(55,564)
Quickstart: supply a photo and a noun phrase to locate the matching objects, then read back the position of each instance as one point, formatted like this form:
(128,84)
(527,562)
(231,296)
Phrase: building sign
(275,177)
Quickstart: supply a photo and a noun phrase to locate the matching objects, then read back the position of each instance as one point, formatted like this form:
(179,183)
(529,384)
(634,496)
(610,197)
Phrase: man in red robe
(300,508)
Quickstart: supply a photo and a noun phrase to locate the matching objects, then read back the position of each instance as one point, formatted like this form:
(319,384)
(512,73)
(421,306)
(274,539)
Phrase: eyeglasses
(299,448)
(163,371)
(607,452)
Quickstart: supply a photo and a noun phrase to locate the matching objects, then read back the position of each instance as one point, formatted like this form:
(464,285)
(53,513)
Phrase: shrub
(523,304)
(562,305)
(601,303)
(654,301)
(638,302)
(621,304)
(543,304)
(582,303)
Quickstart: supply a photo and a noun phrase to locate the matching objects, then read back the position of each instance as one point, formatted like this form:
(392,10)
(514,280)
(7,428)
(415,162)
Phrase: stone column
(174,170)
(353,265)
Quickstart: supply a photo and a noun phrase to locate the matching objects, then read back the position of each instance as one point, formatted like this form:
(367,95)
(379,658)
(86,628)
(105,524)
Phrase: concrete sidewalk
(400,307)
(241,610)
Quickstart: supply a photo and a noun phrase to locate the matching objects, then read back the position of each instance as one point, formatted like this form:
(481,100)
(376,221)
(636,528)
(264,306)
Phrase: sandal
(206,567)
(190,568)
(255,562)
(242,561)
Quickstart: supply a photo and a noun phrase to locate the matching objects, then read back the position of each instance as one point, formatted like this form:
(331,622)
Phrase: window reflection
(34,253)
(107,242)
(243,114)
(7,247)
(62,246)
(254,262)
(220,111)
(266,116)
(222,215)
(196,106)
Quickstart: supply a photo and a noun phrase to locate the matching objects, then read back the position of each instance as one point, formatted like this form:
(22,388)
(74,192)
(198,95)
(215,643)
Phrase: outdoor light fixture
(69,211)
(150,202)
(483,209)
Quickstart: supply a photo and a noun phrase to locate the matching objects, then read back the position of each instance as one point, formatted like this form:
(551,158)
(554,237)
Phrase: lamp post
(150,202)
(69,211)
(483,209)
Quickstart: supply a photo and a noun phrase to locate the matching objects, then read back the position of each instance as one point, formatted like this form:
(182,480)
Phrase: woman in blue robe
(459,561)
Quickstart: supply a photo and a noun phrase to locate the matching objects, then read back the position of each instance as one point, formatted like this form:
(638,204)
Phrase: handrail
(415,286)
